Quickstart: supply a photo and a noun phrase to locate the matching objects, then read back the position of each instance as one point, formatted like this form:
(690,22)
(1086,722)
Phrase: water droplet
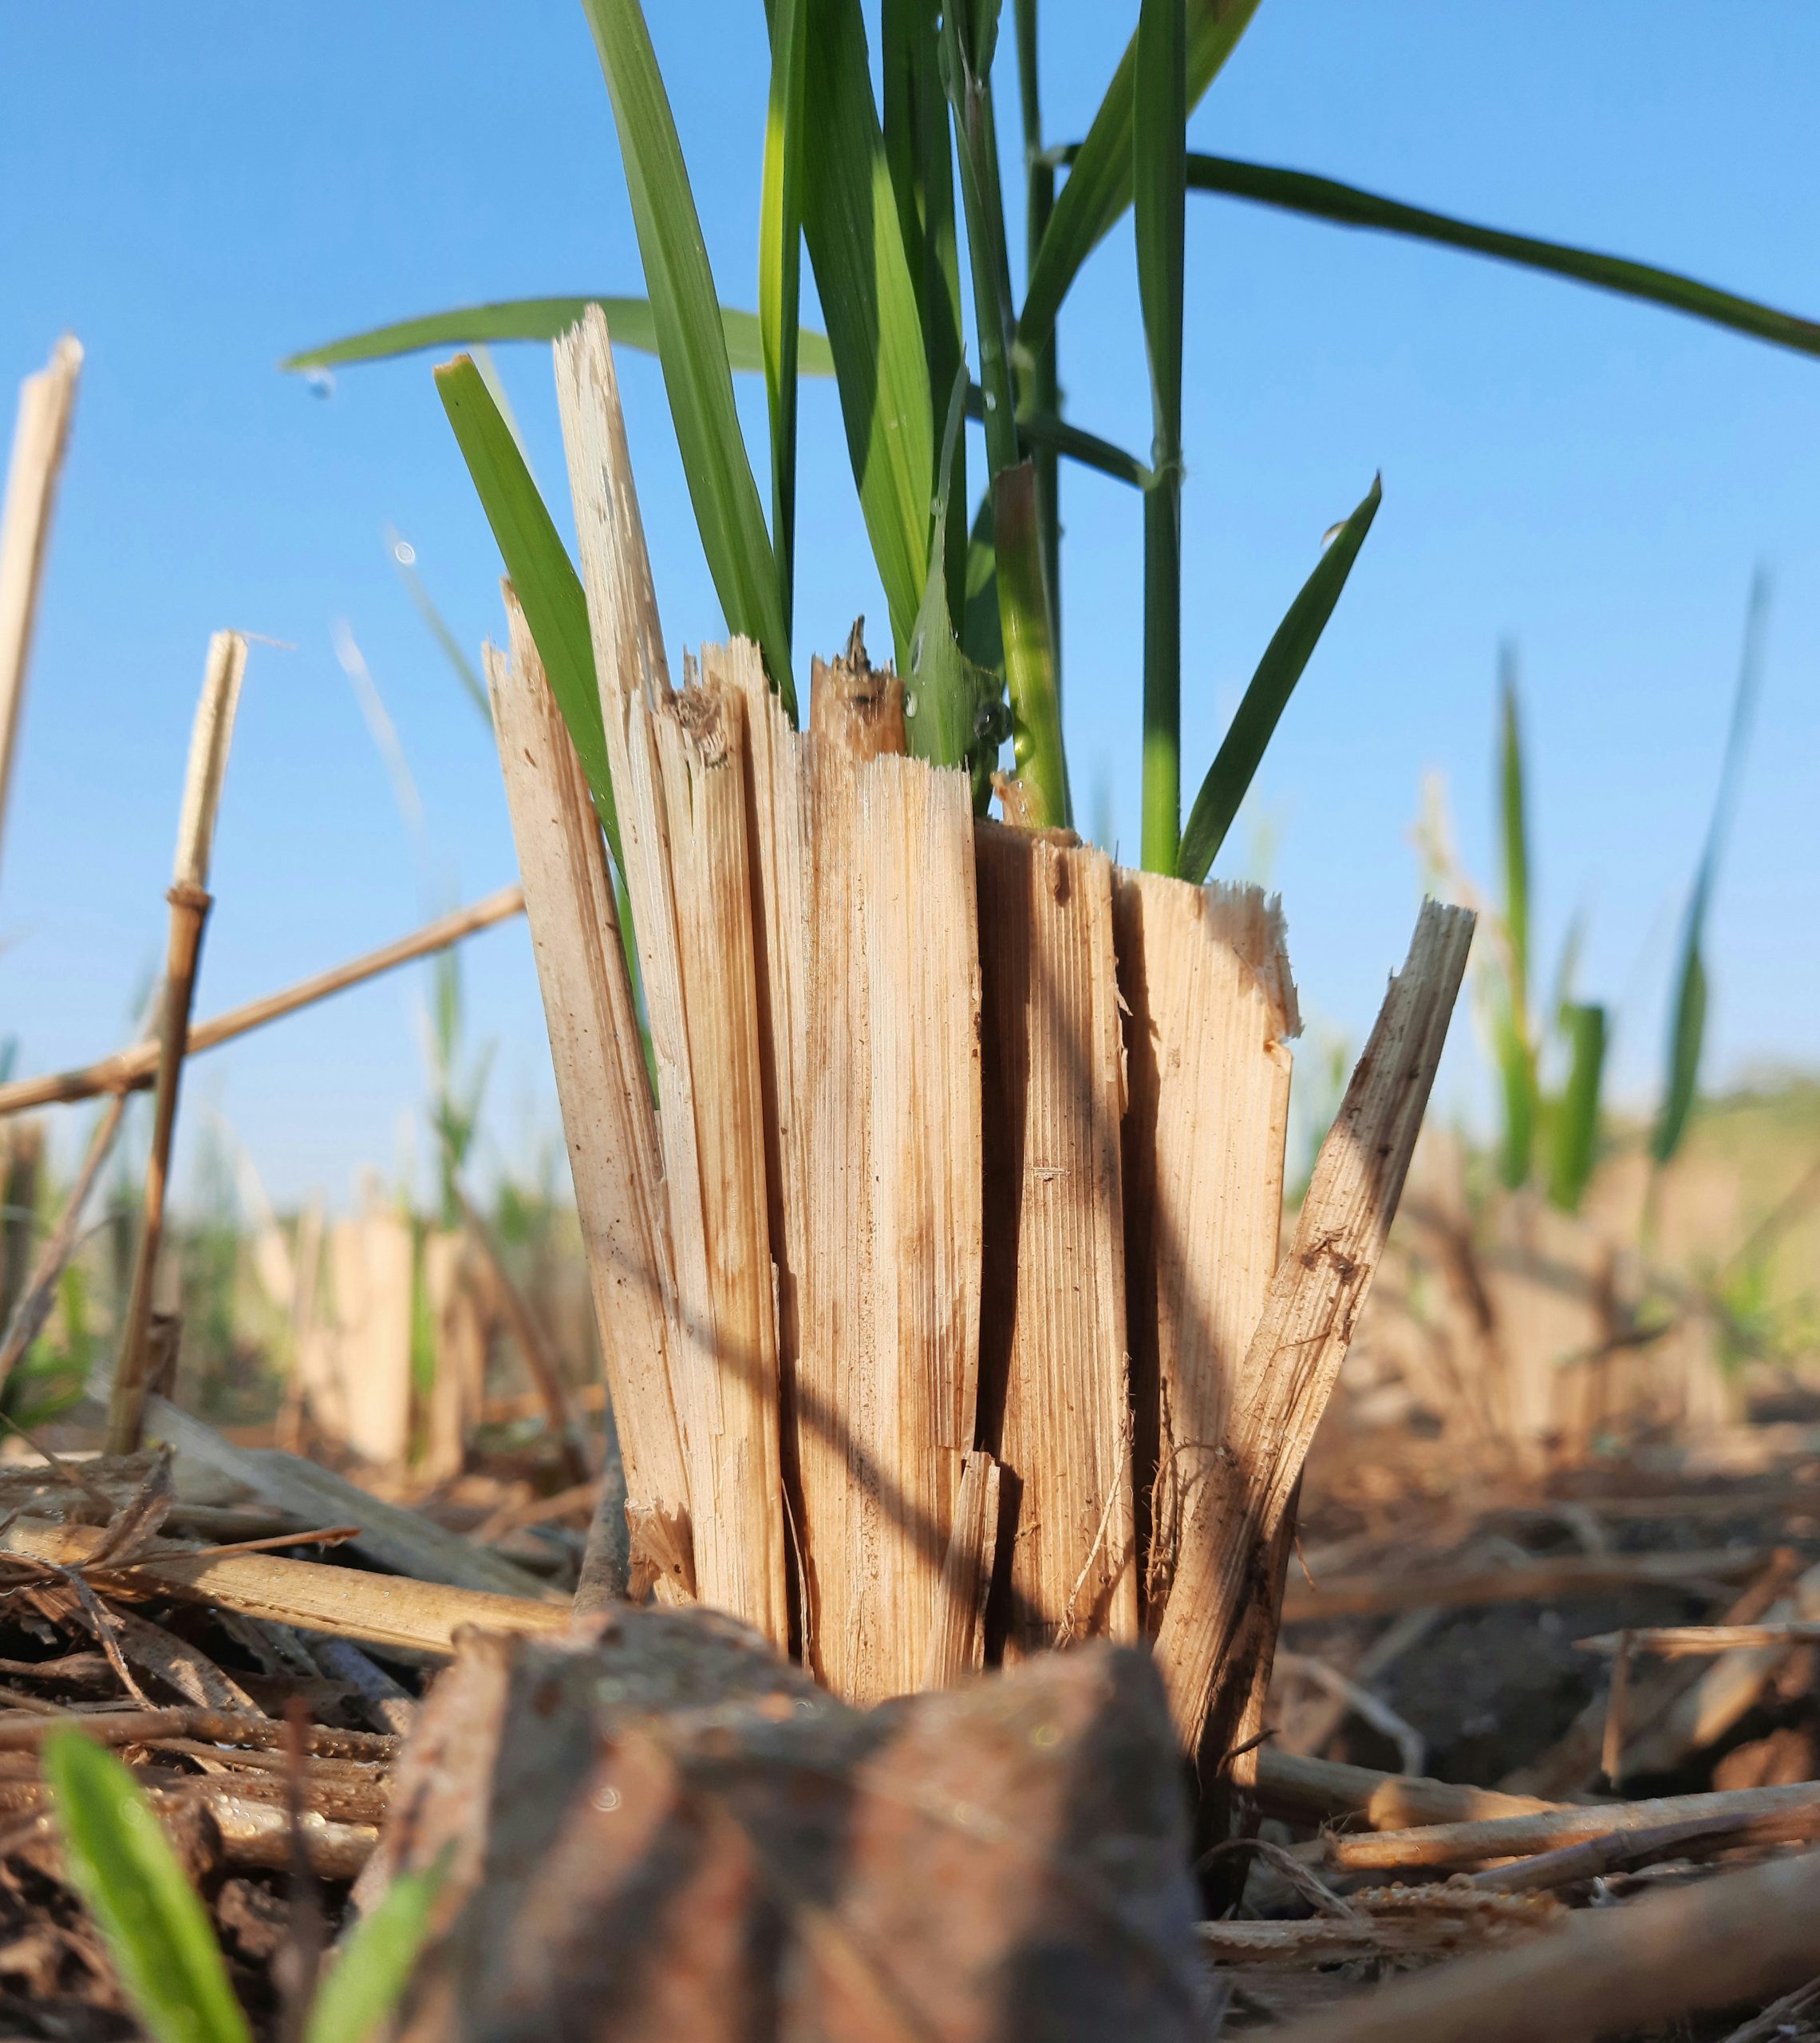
(909,704)
(404,553)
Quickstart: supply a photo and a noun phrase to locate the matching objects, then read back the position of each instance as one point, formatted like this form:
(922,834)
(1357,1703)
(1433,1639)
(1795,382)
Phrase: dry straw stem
(679,780)
(1298,1785)
(41,434)
(132,1070)
(35,1301)
(251,1731)
(1204,975)
(956,1640)
(385,1610)
(600,1080)
(1696,1642)
(870,1015)
(1710,1704)
(1054,1396)
(1228,1524)
(210,738)
(1607,1971)
(1764,1813)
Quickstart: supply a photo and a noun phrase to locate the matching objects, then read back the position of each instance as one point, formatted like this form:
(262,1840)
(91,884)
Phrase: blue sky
(197,192)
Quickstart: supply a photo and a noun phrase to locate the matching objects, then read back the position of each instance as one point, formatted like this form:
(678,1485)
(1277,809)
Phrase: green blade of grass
(856,245)
(691,344)
(541,571)
(1575,1144)
(1514,1040)
(1515,1059)
(968,36)
(919,153)
(1040,387)
(1686,1032)
(1513,834)
(155,1928)
(405,559)
(1098,185)
(631,319)
(1269,692)
(980,632)
(1024,613)
(363,1986)
(1686,1039)
(1044,433)
(1345,205)
(780,276)
(1159,143)
(948,701)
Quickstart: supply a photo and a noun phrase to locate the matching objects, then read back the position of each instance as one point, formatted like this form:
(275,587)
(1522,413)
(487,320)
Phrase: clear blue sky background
(197,192)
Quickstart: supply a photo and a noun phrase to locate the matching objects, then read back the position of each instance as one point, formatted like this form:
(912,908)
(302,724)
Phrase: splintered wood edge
(1253,924)
(1250,922)
(1309,1312)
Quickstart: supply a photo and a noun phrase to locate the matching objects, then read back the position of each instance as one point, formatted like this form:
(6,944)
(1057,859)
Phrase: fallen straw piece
(1296,1785)
(1765,1815)
(1593,1857)
(137,1727)
(1606,1971)
(385,1610)
(396,1538)
(1696,1641)
(1430,1922)
(132,1070)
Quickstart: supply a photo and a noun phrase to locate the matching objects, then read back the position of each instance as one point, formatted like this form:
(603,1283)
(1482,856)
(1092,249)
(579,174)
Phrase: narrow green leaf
(541,571)
(1098,185)
(980,632)
(364,1985)
(691,344)
(1044,433)
(856,244)
(405,559)
(948,701)
(1687,1034)
(1686,1039)
(155,1928)
(1514,836)
(1039,393)
(1516,1061)
(780,276)
(543,319)
(1159,144)
(919,153)
(1269,693)
(969,31)
(1567,969)
(1345,205)
(1576,1130)
(1023,614)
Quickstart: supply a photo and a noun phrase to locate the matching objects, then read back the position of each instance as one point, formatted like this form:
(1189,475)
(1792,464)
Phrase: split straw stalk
(210,739)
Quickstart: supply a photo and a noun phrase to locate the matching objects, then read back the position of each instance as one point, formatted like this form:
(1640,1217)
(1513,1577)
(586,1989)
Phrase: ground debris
(665,1821)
